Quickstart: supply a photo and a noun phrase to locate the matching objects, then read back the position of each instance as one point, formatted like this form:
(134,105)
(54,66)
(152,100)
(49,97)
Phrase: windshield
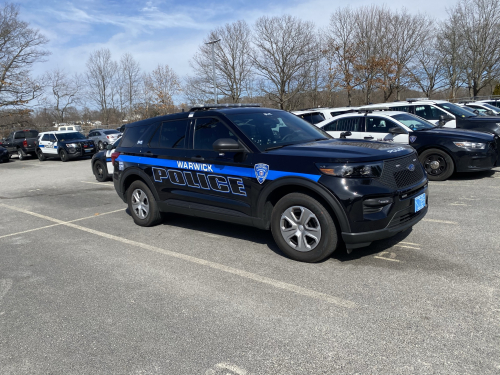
(69,136)
(273,129)
(489,106)
(456,110)
(413,122)
(480,111)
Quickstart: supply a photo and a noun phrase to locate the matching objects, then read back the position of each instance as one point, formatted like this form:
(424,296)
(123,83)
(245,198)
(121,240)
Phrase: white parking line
(392,260)
(408,247)
(409,243)
(459,204)
(55,225)
(234,271)
(98,183)
(440,221)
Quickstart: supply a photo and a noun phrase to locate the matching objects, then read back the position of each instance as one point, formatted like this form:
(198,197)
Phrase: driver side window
(207,131)
(379,125)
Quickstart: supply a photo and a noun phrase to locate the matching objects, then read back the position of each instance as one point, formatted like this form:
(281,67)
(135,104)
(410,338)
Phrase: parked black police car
(272,170)
(65,145)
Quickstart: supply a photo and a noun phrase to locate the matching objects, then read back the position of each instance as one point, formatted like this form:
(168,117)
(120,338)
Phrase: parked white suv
(317,115)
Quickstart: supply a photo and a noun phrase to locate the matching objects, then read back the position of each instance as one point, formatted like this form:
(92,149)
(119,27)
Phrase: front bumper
(472,161)
(81,152)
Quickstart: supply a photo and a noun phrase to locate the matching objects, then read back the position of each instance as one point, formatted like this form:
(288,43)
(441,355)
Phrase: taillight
(114,155)
(108,137)
(25,143)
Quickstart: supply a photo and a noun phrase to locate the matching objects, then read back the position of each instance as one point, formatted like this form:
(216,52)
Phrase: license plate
(88,150)
(419,202)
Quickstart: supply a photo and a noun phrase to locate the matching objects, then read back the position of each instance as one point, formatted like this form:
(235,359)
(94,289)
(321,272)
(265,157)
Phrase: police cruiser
(101,163)
(442,151)
(272,170)
(64,145)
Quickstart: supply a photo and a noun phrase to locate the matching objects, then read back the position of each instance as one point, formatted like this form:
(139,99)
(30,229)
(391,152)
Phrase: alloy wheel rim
(140,203)
(300,228)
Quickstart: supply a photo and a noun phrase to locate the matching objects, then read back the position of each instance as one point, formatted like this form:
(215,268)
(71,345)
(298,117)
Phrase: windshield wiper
(280,146)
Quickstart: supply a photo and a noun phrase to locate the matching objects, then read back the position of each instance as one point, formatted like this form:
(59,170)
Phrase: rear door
(354,124)
(432,114)
(377,129)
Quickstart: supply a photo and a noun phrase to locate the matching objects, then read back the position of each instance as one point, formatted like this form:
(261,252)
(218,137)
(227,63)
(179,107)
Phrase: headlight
(71,145)
(471,145)
(359,170)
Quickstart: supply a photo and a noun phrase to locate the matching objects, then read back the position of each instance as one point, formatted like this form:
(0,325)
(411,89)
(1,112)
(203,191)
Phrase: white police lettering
(221,184)
(397,149)
(195,166)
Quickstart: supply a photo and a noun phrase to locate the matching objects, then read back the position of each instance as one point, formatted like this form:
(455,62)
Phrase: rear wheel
(142,205)
(40,155)
(63,155)
(21,154)
(438,164)
(303,228)
(100,171)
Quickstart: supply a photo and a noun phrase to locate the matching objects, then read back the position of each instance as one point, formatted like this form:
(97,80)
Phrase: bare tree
(285,48)
(162,83)
(101,71)
(232,60)
(20,48)
(479,24)
(130,73)
(64,92)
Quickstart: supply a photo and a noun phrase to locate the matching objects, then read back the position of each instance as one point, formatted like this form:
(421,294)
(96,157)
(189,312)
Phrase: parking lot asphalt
(83,290)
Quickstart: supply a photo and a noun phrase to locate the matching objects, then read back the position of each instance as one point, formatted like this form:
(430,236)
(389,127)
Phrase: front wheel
(100,145)
(40,155)
(142,205)
(303,228)
(438,164)
(63,155)
(100,171)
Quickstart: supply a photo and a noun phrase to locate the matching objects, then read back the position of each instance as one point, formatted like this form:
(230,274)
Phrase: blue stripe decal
(55,146)
(224,169)
(41,146)
(108,159)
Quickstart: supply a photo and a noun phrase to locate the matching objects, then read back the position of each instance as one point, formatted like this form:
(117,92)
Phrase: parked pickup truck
(22,143)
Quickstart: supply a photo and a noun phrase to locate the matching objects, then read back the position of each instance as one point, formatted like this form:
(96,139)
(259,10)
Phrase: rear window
(26,134)
(133,136)
(111,132)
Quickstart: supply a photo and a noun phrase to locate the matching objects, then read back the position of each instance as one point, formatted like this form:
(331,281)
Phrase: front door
(377,129)
(48,144)
(217,180)
(432,114)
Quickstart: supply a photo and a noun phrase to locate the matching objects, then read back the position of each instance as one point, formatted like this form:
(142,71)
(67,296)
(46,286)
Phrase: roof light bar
(410,100)
(218,106)
(372,108)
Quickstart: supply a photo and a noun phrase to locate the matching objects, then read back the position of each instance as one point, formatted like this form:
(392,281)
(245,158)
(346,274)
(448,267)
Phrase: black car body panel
(24,140)
(227,186)
(4,154)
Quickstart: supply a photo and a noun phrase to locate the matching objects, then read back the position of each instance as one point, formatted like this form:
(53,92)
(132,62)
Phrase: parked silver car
(103,137)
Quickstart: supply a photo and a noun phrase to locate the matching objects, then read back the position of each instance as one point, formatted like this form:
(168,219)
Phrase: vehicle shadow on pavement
(265,237)
(473,175)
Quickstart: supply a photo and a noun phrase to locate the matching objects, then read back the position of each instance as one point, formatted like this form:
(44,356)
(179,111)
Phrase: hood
(494,119)
(343,150)
(456,133)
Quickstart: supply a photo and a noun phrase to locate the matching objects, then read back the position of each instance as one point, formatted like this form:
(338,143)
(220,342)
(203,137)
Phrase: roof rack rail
(411,100)
(206,107)
(372,108)
(463,101)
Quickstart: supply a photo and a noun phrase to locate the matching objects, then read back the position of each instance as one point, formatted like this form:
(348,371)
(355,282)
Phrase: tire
(21,154)
(40,155)
(295,211)
(63,155)
(438,164)
(147,213)
(100,146)
(100,171)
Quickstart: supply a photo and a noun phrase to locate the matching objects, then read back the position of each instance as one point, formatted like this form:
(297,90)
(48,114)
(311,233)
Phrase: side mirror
(227,145)
(109,147)
(345,134)
(397,130)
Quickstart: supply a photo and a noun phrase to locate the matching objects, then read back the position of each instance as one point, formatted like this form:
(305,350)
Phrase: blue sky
(164,31)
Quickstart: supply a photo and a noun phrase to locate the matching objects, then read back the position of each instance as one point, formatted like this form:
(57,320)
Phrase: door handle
(370,137)
(197,158)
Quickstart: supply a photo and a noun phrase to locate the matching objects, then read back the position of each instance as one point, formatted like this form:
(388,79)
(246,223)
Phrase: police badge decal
(261,171)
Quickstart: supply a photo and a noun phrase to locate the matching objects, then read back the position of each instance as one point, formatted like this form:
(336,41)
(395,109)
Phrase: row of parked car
(448,137)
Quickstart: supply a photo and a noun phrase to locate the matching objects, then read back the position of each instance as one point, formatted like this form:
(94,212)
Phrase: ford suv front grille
(402,172)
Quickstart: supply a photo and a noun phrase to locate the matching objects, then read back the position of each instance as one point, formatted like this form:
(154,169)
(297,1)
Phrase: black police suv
(64,145)
(270,169)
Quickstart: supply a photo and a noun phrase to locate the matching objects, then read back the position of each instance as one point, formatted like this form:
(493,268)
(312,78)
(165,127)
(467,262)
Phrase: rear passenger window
(352,124)
(171,134)
(133,136)
(331,127)
(207,131)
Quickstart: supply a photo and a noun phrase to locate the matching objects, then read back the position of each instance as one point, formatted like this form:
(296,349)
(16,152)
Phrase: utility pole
(213,67)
